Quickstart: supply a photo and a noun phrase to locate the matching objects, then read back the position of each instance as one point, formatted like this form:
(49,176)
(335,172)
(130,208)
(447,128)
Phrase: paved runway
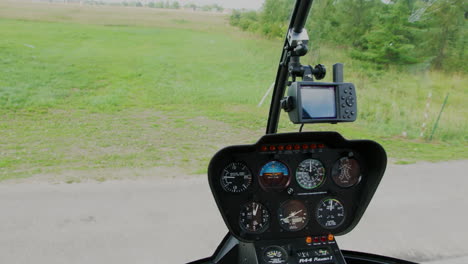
(419,213)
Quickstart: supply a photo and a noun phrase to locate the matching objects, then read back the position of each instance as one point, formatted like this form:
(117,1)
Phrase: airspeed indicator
(236,177)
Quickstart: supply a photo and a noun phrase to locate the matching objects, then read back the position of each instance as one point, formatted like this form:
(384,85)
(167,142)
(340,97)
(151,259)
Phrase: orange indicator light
(330,237)
(309,240)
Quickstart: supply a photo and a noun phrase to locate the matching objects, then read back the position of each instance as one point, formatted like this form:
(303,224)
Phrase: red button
(313,146)
(288,147)
(316,239)
(324,239)
(264,148)
(272,148)
(321,145)
(297,147)
(280,147)
(305,146)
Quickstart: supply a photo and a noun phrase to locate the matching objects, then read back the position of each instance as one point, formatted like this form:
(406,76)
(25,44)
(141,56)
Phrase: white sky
(249,4)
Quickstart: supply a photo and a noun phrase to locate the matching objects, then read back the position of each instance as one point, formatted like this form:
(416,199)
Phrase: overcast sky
(250,4)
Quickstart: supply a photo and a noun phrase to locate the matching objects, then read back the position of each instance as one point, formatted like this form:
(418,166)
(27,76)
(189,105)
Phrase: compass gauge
(310,174)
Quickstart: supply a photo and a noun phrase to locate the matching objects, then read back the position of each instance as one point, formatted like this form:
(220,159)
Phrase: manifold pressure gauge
(330,213)
(236,177)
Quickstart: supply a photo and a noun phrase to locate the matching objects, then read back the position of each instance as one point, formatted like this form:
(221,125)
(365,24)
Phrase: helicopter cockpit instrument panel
(307,186)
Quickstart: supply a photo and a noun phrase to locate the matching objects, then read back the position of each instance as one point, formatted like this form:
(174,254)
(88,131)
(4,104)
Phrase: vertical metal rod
(438,117)
(298,20)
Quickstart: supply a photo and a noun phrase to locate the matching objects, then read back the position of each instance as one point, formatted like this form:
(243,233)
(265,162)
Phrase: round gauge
(330,213)
(293,215)
(310,174)
(275,255)
(346,172)
(274,176)
(236,177)
(254,218)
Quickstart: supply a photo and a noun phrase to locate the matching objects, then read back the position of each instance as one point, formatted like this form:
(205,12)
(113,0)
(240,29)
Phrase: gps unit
(316,102)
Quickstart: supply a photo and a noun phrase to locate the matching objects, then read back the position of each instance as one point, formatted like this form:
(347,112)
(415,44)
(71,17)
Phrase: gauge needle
(331,205)
(255,210)
(291,215)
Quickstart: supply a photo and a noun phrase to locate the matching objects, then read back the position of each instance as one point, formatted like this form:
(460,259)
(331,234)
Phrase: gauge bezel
(344,212)
(275,188)
(261,230)
(321,182)
(281,249)
(344,186)
(221,178)
(306,222)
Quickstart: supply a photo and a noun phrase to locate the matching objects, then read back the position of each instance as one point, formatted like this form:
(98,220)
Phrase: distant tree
(391,40)
(175,5)
(138,4)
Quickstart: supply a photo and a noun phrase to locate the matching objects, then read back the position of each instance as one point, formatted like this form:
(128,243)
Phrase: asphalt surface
(418,213)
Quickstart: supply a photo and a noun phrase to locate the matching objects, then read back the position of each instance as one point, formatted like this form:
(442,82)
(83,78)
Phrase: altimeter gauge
(293,215)
(236,177)
(310,174)
(254,218)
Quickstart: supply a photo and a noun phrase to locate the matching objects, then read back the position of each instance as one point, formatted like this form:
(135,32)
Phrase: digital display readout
(318,102)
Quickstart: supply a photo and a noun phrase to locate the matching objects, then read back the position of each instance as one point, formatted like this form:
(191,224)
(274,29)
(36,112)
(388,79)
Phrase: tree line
(384,32)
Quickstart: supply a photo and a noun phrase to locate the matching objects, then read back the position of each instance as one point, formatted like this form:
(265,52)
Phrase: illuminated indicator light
(272,148)
(264,148)
(288,147)
(280,147)
(308,240)
(313,146)
(305,146)
(324,239)
(316,239)
(330,237)
(321,145)
(297,147)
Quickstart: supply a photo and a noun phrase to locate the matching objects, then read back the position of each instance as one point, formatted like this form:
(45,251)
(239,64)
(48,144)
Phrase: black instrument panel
(295,185)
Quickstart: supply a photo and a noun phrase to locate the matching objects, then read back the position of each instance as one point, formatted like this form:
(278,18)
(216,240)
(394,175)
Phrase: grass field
(86,87)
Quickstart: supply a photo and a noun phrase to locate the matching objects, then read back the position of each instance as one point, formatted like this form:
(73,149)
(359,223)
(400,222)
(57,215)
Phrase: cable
(300,129)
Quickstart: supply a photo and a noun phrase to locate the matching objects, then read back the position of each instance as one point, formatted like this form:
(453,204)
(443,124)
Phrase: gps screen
(318,102)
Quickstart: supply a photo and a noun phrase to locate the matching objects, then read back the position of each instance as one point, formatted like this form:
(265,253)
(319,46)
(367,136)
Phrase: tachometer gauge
(310,174)
(346,172)
(293,216)
(275,255)
(330,213)
(274,176)
(236,177)
(254,218)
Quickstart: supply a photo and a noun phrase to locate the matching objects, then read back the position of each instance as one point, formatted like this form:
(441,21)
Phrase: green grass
(89,88)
